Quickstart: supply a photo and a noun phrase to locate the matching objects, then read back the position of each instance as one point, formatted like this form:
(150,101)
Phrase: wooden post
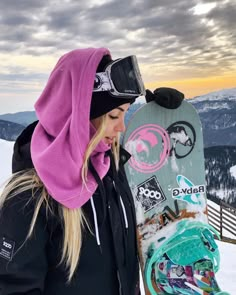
(221,221)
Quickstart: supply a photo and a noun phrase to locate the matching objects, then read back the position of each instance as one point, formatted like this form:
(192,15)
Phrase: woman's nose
(121,126)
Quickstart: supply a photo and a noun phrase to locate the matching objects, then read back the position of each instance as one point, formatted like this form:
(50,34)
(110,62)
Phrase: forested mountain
(221,185)
(9,130)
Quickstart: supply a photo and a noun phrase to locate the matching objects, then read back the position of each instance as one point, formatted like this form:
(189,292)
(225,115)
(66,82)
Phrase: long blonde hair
(73,219)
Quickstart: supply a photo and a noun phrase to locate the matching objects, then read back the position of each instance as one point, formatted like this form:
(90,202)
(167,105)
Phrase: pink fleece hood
(64,130)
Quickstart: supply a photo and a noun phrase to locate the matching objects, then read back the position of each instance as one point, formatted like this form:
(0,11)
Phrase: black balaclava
(102,102)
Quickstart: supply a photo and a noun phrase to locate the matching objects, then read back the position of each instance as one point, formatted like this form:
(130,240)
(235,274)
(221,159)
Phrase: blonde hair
(73,219)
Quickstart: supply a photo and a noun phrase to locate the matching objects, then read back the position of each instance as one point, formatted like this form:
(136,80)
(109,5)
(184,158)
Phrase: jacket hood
(64,130)
(21,159)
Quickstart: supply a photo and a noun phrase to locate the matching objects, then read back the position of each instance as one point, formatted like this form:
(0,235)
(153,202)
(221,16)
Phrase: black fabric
(169,98)
(21,157)
(103,102)
(34,268)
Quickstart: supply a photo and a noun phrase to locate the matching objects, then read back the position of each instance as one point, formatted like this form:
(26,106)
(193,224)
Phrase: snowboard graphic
(166,173)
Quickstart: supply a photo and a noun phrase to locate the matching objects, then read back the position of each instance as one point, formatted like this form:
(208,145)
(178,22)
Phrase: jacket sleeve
(23,264)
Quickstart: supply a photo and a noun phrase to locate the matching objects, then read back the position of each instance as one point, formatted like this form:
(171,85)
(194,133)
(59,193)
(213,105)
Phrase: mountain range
(22,118)
(217,111)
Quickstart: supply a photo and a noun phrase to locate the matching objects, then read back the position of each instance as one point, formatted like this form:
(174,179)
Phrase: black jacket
(33,268)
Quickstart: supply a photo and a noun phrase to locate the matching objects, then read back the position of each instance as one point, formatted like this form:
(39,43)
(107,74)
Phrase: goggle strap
(102,82)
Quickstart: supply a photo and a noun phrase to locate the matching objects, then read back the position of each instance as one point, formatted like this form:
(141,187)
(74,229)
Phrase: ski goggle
(122,78)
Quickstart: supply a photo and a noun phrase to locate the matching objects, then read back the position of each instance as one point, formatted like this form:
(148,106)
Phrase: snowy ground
(233,171)
(6,149)
(227,274)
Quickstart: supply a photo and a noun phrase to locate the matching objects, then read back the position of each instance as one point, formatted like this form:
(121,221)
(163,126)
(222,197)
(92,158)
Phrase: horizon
(14,108)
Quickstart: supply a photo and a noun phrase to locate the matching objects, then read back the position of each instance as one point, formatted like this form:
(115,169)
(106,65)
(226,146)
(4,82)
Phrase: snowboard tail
(191,251)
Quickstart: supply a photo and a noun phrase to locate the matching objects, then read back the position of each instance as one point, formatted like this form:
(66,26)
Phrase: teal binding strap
(192,241)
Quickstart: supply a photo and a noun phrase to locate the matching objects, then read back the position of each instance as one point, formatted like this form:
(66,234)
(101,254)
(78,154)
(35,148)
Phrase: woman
(67,222)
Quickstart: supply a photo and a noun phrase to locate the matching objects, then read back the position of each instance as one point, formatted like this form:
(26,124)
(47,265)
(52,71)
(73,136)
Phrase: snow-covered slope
(224,94)
(217,111)
(6,149)
(233,171)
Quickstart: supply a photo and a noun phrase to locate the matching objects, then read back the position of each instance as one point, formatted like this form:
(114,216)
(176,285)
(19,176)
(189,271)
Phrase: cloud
(172,39)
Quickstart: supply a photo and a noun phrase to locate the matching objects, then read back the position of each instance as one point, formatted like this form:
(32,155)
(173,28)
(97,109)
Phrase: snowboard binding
(186,263)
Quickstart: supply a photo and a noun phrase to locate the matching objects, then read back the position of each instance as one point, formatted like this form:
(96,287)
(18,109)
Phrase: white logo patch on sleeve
(6,248)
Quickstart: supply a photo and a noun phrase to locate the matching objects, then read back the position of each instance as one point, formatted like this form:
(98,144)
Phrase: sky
(185,44)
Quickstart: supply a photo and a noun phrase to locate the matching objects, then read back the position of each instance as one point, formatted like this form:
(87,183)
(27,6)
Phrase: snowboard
(166,174)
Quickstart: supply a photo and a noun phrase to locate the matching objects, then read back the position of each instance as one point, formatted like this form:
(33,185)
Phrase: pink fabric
(64,130)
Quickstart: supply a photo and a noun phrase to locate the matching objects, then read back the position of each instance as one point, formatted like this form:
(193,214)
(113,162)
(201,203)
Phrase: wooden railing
(224,221)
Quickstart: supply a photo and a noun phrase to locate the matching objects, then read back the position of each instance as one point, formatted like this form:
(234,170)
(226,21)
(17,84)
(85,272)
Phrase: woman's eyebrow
(119,108)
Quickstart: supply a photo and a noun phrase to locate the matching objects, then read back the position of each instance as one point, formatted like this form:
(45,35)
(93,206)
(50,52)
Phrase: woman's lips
(109,140)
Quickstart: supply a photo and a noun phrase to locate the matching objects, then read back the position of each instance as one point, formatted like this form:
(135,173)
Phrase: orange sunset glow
(197,86)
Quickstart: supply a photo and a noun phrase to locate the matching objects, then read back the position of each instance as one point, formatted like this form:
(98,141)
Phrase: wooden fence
(224,221)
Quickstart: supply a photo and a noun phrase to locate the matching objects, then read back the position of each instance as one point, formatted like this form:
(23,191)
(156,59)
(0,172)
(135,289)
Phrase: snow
(212,106)
(224,232)
(225,276)
(225,94)
(140,99)
(6,148)
(233,171)
(222,194)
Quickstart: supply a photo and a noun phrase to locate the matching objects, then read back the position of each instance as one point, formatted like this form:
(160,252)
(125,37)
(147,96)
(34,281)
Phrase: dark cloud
(224,18)
(11,19)
(6,47)
(224,13)
(26,5)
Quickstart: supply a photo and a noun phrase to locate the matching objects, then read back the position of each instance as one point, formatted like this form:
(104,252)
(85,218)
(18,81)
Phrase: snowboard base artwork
(166,173)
